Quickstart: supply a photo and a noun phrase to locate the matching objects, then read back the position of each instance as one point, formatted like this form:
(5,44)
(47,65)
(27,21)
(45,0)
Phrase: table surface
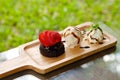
(104,65)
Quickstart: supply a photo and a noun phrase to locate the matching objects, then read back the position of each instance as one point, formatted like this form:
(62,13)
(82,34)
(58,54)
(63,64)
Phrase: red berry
(49,38)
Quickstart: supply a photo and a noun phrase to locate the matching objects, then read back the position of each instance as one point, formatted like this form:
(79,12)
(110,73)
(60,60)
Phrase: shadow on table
(21,75)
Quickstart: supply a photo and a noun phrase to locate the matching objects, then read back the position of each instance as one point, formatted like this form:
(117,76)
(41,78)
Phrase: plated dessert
(52,42)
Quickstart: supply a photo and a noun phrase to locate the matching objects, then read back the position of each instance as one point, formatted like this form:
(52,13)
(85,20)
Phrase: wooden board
(30,57)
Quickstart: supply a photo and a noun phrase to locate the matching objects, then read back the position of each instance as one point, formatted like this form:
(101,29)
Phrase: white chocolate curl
(72,37)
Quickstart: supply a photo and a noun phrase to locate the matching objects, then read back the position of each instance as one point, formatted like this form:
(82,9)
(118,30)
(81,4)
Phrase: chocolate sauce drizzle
(104,38)
(63,41)
(85,47)
(76,37)
(65,33)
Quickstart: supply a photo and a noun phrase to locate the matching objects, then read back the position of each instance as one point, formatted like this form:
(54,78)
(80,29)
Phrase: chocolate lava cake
(51,44)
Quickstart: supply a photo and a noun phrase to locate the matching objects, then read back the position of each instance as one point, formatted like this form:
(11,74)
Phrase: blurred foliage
(22,20)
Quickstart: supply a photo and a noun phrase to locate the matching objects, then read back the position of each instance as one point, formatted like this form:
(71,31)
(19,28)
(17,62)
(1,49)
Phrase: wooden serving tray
(30,57)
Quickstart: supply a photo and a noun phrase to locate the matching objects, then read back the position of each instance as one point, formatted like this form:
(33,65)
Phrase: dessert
(95,34)
(51,44)
(72,37)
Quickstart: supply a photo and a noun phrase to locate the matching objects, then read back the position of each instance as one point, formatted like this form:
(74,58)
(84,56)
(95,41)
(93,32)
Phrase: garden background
(22,20)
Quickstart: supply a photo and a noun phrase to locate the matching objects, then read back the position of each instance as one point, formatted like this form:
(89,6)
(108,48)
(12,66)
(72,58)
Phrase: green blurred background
(22,20)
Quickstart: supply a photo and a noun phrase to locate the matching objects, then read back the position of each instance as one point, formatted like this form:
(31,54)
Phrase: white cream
(94,36)
(72,37)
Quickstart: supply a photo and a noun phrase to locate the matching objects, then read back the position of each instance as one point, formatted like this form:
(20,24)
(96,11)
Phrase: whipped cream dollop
(72,36)
(95,34)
